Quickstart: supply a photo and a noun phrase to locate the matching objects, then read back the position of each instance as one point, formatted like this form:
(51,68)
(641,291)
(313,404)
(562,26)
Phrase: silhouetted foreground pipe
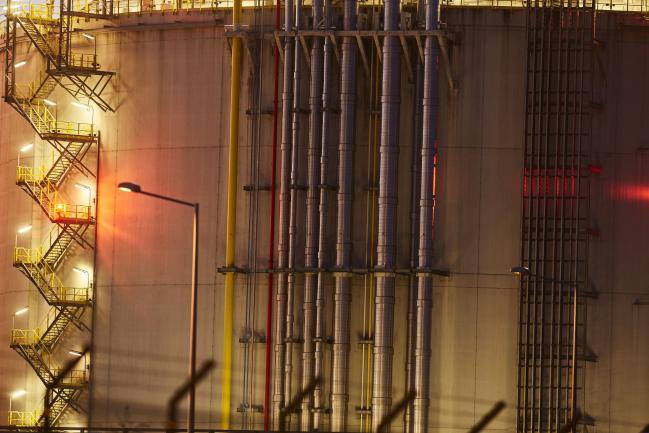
(488,417)
(312,220)
(188,386)
(342,291)
(284,210)
(384,297)
(235,85)
(426,207)
(271,231)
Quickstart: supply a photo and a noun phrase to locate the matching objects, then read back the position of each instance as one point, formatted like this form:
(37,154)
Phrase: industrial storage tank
(502,262)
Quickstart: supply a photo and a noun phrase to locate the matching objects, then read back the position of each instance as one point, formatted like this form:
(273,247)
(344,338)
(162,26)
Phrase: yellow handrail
(22,418)
(47,195)
(231,218)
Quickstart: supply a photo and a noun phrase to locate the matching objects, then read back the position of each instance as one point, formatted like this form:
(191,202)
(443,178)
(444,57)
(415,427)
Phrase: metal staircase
(72,231)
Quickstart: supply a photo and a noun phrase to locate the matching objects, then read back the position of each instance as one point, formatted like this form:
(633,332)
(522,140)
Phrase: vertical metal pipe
(322,232)
(424,300)
(384,297)
(271,231)
(312,219)
(235,84)
(342,293)
(414,244)
(292,225)
(284,210)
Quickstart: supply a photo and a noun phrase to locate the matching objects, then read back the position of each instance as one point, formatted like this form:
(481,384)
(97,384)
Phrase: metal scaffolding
(555,210)
(72,143)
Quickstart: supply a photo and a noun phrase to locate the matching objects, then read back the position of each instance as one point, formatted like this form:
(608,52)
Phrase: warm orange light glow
(123,188)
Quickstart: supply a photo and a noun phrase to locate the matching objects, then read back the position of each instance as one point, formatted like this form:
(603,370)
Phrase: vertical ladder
(555,211)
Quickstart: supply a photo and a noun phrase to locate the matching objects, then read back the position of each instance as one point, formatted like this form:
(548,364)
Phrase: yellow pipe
(235,81)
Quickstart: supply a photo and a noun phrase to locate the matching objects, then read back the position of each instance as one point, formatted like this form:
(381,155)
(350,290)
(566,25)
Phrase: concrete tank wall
(169,134)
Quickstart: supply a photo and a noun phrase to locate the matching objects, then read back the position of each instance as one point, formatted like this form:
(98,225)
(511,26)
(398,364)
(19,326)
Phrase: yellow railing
(601,5)
(47,195)
(34,10)
(33,259)
(23,419)
(72,128)
(73,377)
(83,60)
(25,337)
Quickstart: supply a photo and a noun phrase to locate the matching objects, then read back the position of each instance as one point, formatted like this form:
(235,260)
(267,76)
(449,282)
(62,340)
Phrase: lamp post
(14,395)
(134,188)
(524,271)
(22,231)
(17,313)
(26,148)
(84,273)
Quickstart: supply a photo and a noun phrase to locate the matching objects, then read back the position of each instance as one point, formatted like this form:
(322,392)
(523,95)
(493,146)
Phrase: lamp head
(25,229)
(19,393)
(521,270)
(129,187)
(21,311)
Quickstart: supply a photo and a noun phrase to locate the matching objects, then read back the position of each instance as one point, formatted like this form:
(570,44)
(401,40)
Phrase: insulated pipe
(292,225)
(312,220)
(271,233)
(322,233)
(414,244)
(384,297)
(342,292)
(235,84)
(279,398)
(426,208)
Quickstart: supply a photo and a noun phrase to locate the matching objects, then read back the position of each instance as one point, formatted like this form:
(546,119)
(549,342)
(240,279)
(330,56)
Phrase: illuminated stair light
(50,103)
(82,106)
(87,36)
(20,64)
(21,311)
(25,229)
(19,393)
(27,147)
(75,353)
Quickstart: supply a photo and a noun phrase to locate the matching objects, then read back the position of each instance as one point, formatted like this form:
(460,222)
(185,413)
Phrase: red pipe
(271,243)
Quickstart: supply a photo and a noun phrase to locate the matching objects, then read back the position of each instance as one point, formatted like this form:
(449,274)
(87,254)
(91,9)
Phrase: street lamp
(84,273)
(26,148)
(16,394)
(525,271)
(22,231)
(18,313)
(88,190)
(135,188)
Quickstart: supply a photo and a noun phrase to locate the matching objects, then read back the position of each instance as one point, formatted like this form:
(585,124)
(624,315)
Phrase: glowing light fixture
(21,311)
(84,273)
(75,353)
(82,106)
(129,187)
(18,394)
(87,36)
(520,270)
(20,64)
(25,229)
(50,103)
(83,187)
(27,147)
